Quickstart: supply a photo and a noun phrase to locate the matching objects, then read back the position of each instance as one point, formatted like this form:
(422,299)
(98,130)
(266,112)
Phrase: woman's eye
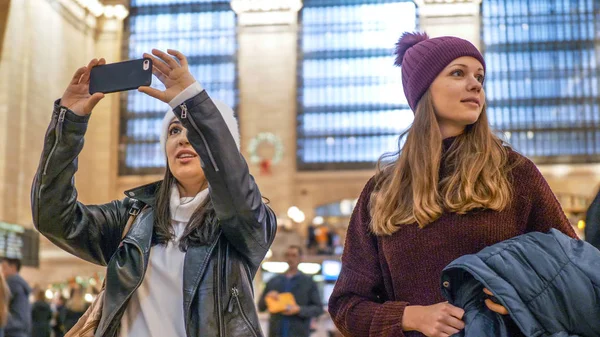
(480,78)
(457,72)
(174,130)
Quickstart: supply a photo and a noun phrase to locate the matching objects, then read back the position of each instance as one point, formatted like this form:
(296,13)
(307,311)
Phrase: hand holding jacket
(437,320)
(548,282)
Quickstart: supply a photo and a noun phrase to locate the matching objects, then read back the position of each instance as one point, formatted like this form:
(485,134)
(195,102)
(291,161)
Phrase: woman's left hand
(494,306)
(174,75)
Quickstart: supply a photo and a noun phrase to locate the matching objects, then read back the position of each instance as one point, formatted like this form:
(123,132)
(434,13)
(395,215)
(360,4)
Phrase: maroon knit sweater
(381,275)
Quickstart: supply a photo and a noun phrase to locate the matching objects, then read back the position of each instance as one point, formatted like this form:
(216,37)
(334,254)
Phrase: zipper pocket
(235,298)
(184,113)
(57,135)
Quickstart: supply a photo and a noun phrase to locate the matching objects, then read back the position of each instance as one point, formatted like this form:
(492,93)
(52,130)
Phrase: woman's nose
(474,84)
(183,140)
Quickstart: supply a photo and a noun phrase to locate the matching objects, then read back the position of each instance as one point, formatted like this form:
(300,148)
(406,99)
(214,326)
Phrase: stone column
(267,54)
(267,38)
(455,18)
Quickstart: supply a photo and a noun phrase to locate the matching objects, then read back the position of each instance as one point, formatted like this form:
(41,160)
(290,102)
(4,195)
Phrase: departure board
(16,242)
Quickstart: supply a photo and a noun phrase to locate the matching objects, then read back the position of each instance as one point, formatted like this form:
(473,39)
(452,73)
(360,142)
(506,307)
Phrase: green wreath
(268,138)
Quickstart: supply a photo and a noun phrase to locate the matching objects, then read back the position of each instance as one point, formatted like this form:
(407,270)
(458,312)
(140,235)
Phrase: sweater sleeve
(359,305)
(546,212)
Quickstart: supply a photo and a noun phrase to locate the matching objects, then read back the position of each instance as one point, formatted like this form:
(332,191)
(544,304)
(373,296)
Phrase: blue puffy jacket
(550,284)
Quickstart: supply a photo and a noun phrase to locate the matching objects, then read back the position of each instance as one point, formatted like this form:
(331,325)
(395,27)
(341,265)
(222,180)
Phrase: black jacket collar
(145,193)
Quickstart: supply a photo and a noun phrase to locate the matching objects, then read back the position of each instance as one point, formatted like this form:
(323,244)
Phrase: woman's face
(458,95)
(183,160)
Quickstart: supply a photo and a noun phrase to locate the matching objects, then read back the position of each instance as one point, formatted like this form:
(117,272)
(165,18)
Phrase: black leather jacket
(217,284)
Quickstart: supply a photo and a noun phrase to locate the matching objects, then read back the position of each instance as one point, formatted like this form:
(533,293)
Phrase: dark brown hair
(14,262)
(202,228)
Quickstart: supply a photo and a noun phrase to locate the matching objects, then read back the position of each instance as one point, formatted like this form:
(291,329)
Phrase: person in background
(592,222)
(41,315)
(452,189)
(75,307)
(59,317)
(295,320)
(19,308)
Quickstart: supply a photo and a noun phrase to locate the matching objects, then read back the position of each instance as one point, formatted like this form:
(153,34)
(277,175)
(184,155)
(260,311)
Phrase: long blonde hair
(409,189)
(4,300)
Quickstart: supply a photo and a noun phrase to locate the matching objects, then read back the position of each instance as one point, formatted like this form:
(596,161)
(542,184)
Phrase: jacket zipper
(235,293)
(57,133)
(219,304)
(184,115)
(112,316)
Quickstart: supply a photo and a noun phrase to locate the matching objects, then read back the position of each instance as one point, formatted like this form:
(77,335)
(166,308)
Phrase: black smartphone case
(121,76)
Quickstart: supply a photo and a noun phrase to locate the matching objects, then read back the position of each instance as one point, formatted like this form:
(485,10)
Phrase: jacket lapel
(141,233)
(145,193)
(126,269)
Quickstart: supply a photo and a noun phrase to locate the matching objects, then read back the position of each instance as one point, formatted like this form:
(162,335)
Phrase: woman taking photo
(454,189)
(185,268)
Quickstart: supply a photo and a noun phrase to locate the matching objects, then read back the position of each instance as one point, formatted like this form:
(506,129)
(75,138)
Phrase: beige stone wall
(37,61)
(4,7)
(4,10)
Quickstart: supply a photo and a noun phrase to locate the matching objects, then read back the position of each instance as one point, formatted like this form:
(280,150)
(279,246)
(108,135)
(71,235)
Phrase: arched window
(542,82)
(351,106)
(205,31)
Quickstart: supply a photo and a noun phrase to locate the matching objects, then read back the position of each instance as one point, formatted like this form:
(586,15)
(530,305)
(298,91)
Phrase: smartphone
(121,76)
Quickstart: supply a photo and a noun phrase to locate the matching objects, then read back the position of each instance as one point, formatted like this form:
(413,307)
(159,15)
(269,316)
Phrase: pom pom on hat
(407,40)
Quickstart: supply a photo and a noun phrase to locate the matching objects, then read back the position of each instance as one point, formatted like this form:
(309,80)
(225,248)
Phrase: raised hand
(77,95)
(174,75)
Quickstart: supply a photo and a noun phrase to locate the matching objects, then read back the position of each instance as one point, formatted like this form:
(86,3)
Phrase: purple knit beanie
(422,59)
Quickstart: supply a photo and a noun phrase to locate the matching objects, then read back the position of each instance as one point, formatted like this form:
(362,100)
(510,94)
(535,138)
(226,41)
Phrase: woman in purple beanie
(454,189)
